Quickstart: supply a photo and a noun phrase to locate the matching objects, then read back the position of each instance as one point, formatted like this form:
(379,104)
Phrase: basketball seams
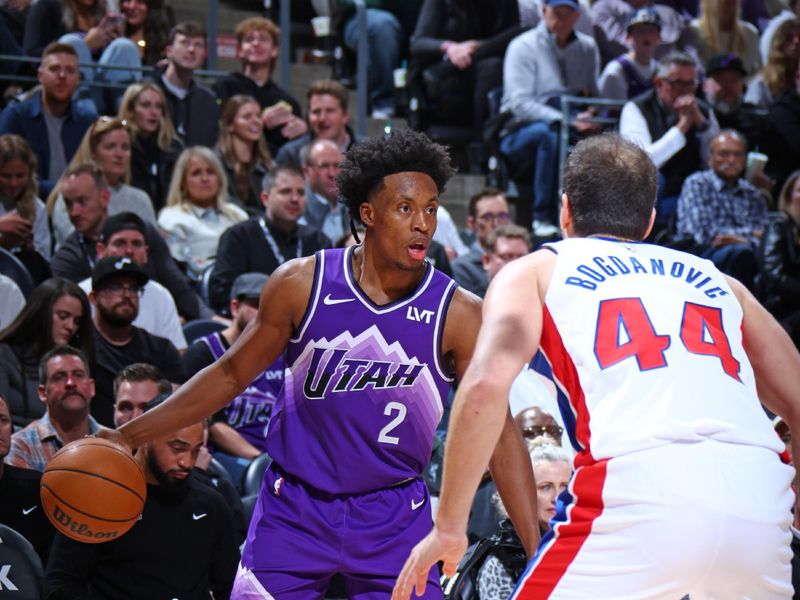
(91,516)
(97,442)
(98,476)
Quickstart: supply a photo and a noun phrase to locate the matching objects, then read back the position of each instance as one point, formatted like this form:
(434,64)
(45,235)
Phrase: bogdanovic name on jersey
(601,268)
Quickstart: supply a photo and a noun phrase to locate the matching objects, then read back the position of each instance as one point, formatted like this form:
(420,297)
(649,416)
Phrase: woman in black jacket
(779,280)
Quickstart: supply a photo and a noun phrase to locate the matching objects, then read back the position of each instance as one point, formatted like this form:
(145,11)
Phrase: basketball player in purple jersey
(373,337)
(679,487)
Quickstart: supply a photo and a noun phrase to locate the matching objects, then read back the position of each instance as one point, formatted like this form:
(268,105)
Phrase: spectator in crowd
(86,198)
(448,236)
(23,217)
(21,507)
(11,301)
(49,120)
(488,209)
(721,30)
(552,470)
(135,386)
(783,137)
(97,36)
(610,19)
(671,127)
(722,212)
(389,27)
(321,160)
(117,285)
(198,210)
(780,66)
(56,313)
(540,66)
(192,107)
(257,46)
(457,50)
(108,145)
(154,144)
(327,117)
(535,423)
(147,26)
(503,244)
(124,235)
(243,150)
(724,89)
(67,389)
(183,546)
(261,245)
(789,11)
(779,279)
(632,73)
(238,432)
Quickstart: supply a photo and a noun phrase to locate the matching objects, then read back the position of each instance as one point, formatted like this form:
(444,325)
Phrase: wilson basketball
(93,491)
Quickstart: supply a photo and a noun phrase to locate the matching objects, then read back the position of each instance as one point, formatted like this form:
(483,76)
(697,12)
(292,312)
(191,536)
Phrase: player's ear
(565,217)
(367,213)
(650,224)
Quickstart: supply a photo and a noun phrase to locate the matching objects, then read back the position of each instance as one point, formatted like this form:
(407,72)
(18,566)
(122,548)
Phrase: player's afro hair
(366,164)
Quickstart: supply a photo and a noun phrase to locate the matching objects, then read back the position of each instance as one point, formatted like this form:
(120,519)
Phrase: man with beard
(117,284)
(238,432)
(67,389)
(182,547)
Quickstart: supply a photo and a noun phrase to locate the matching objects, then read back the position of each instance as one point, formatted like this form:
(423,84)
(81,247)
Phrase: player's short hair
(366,164)
(58,48)
(189,29)
(138,372)
(329,87)
(60,351)
(251,24)
(488,192)
(611,185)
(509,230)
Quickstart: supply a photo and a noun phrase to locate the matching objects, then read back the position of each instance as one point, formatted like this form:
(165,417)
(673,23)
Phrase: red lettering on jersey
(698,319)
(643,342)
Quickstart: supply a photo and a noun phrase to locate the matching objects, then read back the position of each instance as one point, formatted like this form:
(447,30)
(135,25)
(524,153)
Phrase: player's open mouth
(417,251)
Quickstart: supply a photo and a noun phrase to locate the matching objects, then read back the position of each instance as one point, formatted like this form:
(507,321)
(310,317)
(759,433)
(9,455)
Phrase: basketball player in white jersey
(660,361)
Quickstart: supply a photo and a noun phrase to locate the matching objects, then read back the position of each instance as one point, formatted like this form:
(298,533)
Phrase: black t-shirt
(21,508)
(183,547)
(110,359)
(196,358)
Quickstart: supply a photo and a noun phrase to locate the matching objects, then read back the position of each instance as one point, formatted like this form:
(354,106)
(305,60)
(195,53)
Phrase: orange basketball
(93,491)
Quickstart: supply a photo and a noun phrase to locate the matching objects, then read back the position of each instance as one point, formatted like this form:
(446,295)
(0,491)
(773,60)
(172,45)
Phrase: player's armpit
(461,330)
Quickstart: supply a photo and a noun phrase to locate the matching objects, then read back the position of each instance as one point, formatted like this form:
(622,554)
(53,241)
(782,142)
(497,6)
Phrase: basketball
(93,491)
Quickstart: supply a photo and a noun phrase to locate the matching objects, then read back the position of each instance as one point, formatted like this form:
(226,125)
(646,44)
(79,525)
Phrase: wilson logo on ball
(81,529)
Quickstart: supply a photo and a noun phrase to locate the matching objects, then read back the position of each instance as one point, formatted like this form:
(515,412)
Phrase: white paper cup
(321,26)
(756,161)
(399,78)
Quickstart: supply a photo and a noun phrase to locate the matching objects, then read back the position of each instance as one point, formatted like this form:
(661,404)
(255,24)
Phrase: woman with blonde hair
(777,76)
(155,145)
(721,30)
(243,150)
(198,210)
(108,144)
(23,216)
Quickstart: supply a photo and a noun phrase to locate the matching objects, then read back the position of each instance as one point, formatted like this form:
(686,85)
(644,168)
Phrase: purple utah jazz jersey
(364,383)
(249,413)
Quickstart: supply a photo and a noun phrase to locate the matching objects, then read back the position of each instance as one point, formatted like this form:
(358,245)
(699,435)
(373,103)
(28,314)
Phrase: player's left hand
(437,545)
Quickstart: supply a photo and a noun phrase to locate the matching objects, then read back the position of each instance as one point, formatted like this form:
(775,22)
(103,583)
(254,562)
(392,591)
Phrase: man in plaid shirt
(67,389)
(723,212)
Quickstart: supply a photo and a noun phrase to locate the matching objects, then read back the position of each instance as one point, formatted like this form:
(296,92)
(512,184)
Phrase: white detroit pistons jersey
(645,346)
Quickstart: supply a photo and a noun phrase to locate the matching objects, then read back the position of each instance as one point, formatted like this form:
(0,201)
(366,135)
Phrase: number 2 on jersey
(401,410)
(700,331)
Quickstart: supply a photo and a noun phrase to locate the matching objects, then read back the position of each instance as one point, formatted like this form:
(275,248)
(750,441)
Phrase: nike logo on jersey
(328,301)
(27,511)
(198,517)
(416,505)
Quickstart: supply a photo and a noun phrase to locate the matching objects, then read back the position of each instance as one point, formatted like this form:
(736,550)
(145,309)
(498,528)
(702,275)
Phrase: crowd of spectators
(139,201)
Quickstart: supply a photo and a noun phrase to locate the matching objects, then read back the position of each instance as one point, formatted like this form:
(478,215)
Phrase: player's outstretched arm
(509,336)
(281,308)
(776,364)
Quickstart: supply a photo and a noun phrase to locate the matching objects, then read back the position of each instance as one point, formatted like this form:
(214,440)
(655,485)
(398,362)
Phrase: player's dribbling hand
(436,546)
(112,435)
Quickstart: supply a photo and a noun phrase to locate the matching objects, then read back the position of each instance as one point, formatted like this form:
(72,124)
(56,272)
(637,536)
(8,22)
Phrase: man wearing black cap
(86,196)
(541,65)
(261,245)
(238,432)
(117,286)
(632,73)
(124,235)
(724,89)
